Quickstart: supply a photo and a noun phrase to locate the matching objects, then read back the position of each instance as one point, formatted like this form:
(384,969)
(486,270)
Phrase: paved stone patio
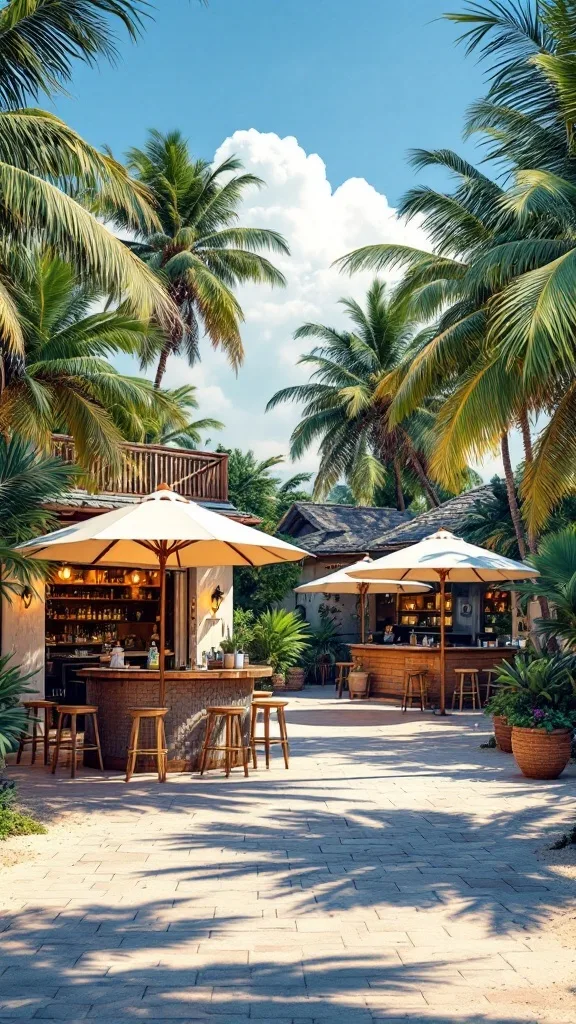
(390,875)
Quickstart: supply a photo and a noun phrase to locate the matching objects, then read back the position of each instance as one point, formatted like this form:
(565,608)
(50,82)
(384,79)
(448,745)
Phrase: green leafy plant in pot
(279,640)
(497,708)
(539,699)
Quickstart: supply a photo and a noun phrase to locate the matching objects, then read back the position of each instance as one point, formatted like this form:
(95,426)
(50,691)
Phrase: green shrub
(12,716)
(537,691)
(279,639)
(14,823)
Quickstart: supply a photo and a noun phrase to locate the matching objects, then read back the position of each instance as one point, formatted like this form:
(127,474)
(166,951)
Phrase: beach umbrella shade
(440,558)
(341,582)
(162,531)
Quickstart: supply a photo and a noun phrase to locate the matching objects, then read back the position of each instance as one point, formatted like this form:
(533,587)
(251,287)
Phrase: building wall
(209,629)
(23,637)
(343,607)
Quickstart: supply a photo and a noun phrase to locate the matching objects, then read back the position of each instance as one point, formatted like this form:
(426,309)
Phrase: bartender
(388,637)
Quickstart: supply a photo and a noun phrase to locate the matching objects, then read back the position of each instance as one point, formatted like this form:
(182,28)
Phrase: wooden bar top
(181,675)
(418,648)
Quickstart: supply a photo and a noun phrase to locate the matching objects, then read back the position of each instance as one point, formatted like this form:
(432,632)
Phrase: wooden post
(442,574)
(162,556)
(363,590)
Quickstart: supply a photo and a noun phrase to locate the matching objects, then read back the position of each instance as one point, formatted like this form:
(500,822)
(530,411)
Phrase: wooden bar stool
(34,737)
(414,689)
(344,669)
(72,711)
(490,684)
(159,751)
(267,706)
(233,745)
(468,686)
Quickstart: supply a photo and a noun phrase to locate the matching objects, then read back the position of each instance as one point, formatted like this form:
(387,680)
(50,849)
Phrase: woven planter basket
(295,679)
(503,733)
(540,754)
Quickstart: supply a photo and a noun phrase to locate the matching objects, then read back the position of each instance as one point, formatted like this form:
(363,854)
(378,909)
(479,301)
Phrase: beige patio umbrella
(341,582)
(443,557)
(163,530)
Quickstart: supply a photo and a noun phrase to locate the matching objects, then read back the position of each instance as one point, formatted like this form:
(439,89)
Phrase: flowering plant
(537,692)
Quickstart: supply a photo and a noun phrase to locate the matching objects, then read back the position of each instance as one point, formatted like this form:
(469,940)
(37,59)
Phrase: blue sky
(322,99)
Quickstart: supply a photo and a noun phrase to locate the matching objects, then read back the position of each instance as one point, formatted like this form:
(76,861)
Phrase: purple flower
(538,713)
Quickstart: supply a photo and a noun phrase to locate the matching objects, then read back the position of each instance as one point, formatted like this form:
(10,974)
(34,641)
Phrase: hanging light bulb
(135,577)
(65,572)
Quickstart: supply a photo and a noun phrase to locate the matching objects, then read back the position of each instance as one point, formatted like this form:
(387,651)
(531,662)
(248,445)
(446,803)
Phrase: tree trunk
(526,438)
(511,491)
(413,458)
(161,370)
(400,502)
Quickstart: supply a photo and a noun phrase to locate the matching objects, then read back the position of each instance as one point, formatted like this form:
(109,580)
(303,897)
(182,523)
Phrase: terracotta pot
(295,678)
(228,661)
(503,733)
(278,681)
(540,754)
(358,684)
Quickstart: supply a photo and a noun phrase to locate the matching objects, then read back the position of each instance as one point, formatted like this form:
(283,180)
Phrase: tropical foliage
(198,248)
(556,563)
(541,689)
(279,639)
(347,407)
(12,714)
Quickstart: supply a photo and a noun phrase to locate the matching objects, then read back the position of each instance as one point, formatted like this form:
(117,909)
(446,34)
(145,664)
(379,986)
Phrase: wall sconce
(135,577)
(26,597)
(216,599)
(65,572)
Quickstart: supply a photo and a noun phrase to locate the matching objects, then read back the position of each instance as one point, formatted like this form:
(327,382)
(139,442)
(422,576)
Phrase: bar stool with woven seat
(490,684)
(72,711)
(344,669)
(414,689)
(267,706)
(159,751)
(35,737)
(468,686)
(233,745)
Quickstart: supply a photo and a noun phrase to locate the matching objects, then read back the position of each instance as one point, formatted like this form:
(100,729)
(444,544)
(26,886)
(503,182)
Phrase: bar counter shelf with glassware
(188,693)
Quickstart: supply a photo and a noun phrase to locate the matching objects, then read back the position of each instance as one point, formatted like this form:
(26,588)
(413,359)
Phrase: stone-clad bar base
(188,694)
(387,665)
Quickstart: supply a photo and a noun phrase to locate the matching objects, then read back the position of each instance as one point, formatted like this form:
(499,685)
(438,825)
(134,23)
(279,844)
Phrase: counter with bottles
(387,665)
(188,693)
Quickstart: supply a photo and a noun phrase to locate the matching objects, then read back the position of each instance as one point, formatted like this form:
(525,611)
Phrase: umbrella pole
(162,556)
(442,642)
(363,590)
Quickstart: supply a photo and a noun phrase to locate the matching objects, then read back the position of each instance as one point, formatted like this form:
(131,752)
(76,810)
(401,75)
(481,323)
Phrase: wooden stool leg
(284,736)
(34,737)
(97,739)
(421,682)
(47,723)
(340,682)
(159,751)
(132,746)
(56,753)
(405,695)
(253,720)
(267,735)
(207,738)
(454,693)
(23,736)
(242,746)
(228,744)
(73,739)
(461,692)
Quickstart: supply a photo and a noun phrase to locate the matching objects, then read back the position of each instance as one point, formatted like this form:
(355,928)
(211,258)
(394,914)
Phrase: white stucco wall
(211,629)
(346,614)
(23,637)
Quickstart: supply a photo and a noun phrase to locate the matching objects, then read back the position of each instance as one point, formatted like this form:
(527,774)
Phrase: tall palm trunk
(162,363)
(400,501)
(511,492)
(414,459)
(526,437)
(532,538)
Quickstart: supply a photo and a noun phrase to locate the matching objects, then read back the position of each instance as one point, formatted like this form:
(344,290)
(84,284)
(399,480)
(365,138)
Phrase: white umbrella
(341,582)
(443,557)
(163,530)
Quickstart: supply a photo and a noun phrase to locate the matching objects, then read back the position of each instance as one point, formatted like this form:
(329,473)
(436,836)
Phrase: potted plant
(541,711)
(498,707)
(279,639)
(228,646)
(358,681)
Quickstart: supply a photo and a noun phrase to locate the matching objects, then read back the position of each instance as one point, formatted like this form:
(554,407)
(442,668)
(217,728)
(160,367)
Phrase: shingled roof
(338,529)
(450,515)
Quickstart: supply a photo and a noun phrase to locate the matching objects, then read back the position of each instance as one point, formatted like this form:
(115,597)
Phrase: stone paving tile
(390,875)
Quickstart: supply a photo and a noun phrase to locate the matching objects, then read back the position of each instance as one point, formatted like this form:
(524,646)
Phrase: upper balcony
(201,476)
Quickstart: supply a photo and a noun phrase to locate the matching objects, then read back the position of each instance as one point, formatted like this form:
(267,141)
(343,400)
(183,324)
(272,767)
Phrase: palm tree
(346,408)
(63,381)
(159,427)
(28,481)
(254,489)
(48,173)
(199,249)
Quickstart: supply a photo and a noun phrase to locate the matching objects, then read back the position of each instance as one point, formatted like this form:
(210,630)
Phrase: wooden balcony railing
(202,476)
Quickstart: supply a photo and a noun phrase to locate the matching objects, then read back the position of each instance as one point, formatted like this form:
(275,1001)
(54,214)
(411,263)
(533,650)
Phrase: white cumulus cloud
(320,224)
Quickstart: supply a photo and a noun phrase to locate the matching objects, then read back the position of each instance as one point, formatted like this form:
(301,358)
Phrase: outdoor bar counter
(388,663)
(188,694)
